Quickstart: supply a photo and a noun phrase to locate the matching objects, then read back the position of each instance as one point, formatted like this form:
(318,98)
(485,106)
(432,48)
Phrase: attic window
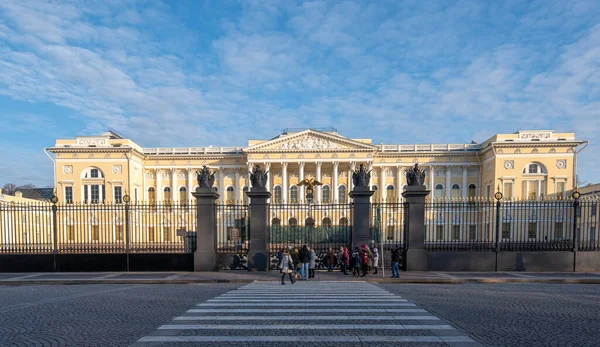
(508,140)
(561,139)
(67,146)
(116,145)
(535,139)
(91,145)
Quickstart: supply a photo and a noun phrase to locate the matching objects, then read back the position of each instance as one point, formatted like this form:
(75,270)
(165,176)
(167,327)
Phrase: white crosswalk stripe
(314,313)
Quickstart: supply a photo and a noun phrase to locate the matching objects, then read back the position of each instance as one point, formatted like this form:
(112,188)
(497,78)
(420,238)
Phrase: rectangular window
(151,234)
(103,194)
(532,190)
(592,234)
(455,232)
(69,195)
(95,193)
(118,194)
(488,191)
(85,194)
(95,233)
(70,233)
(558,230)
(532,230)
(439,232)
(167,234)
(472,232)
(390,232)
(560,190)
(505,231)
(593,210)
(135,192)
(508,190)
(119,232)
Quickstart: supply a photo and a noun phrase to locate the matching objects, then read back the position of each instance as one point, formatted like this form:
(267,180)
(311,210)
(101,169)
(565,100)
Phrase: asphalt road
(118,315)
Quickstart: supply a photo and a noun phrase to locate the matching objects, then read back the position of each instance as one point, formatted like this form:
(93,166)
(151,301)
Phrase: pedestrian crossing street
(314,313)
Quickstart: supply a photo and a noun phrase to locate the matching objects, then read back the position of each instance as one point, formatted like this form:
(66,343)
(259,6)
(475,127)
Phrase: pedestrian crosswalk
(312,313)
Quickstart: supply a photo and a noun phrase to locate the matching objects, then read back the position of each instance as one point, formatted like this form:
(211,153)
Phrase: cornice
(194,157)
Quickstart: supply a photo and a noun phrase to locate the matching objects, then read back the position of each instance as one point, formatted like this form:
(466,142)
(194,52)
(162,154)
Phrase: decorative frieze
(309,142)
(473,172)
(92,142)
(440,172)
(538,135)
(456,172)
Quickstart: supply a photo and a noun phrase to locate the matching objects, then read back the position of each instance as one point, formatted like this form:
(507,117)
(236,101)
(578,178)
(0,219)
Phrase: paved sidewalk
(240,276)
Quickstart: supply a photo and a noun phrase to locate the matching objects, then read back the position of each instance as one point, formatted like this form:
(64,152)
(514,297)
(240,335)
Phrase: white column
(464,183)
(432,179)
(159,192)
(334,183)
(174,190)
(300,179)
(370,168)
(236,186)
(539,192)
(399,184)
(249,173)
(268,169)
(448,181)
(222,190)
(190,174)
(284,184)
(350,182)
(318,178)
(382,189)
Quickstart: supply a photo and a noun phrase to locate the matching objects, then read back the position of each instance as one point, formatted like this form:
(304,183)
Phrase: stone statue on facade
(361,177)
(258,177)
(415,176)
(205,177)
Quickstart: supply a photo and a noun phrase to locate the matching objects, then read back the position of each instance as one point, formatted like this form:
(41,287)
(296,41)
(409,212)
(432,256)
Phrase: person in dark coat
(395,262)
(304,257)
(330,260)
(356,263)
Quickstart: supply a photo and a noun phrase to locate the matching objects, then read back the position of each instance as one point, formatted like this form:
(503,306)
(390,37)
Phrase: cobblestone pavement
(93,315)
(514,314)
(314,313)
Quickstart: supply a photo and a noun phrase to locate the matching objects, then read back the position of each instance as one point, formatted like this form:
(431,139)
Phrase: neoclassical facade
(526,164)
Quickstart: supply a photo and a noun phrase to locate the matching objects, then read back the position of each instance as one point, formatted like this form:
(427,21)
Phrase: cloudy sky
(195,73)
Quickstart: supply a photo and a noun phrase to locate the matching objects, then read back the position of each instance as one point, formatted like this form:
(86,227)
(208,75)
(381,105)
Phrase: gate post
(258,253)
(414,195)
(361,207)
(205,256)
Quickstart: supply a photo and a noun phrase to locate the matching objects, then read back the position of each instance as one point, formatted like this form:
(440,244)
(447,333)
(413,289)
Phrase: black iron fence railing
(44,228)
(387,224)
(233,228)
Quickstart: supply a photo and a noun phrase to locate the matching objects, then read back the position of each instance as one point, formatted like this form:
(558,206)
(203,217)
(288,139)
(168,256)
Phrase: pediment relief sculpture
(310,142)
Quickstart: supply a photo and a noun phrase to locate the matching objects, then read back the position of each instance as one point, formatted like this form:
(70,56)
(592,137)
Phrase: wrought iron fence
(232,228)
(387,224)
(511,225)
(44,228)
(319,226)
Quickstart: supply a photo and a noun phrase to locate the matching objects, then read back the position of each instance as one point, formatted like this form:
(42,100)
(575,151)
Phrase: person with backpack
(356,262)
(395,262)
(304,257)
(286,265)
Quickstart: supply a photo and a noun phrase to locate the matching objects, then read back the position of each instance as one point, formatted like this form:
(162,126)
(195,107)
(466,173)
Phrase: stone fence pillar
(416,255)
(361,216)
(258,252)
(205,257)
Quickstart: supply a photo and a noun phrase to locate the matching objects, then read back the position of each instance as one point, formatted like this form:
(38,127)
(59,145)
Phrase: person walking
(395,262)
(312,263)
(345,260)
(296,262)
(364,257)
(356,262)
(375,260)
(287,266)
(341,263)
(304,257)
(330,260)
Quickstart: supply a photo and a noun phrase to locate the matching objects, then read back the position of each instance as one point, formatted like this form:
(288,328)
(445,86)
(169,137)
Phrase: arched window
(534,169)
(167,194)
(229,195)
(326,222)
(293,222)
(277,194)
(275,222)
(151,195)
(309,222)
(326,194)
(92,172)
(390,192)
(455,191)
(534,187)
(244,196)
(183,195)
(472,190)
(439,191)
(343,195)
(293,194)
(92,179)
(343,221)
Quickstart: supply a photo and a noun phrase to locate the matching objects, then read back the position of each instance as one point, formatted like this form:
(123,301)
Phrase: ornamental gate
(318,226)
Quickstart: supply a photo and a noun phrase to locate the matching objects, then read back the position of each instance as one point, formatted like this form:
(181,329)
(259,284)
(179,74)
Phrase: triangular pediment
(310,140)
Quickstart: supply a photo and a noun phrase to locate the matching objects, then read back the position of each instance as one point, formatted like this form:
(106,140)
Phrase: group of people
(362,261)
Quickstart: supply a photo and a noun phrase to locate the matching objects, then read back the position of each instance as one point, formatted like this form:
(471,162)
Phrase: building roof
(41,194)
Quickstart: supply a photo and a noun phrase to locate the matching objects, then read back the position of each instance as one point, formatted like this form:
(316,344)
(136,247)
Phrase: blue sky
(195,73)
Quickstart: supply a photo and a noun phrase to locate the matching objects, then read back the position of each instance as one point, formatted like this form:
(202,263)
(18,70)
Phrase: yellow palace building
(527,164)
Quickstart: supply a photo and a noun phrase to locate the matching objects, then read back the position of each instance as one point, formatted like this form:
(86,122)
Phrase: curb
(245,281)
